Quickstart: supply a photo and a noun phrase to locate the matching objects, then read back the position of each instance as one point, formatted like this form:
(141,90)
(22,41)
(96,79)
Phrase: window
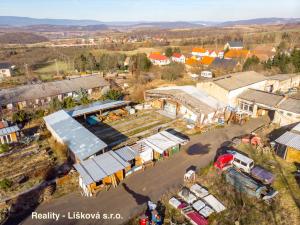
(238,161)
(246,106)
(244,164)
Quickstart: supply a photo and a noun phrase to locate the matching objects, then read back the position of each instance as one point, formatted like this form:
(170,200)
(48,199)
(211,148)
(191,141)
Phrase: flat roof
(261,97)
(47,89)
(190,96)
(289,139)
(80,141)
(238,80)
(95,106)
(100,166)
(9,130)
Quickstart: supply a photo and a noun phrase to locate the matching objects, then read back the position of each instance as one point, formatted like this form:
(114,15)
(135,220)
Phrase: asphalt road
(131,196)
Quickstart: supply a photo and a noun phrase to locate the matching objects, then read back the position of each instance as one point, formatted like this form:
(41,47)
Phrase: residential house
(288,145)
(221,64)
(35,95)
(5,70)
(234,45)
(178,57)
(8,133)
(237,54)
(264,52)
(158,59)
(207,60)
(200,52)
(188,102)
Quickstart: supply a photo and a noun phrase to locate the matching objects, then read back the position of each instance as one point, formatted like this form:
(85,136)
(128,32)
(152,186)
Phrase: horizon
(151,10)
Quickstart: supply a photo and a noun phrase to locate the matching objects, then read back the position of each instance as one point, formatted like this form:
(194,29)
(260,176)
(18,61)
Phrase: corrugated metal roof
(173,137)
(9,130)
(80,141)
(291,105)
(127,153)
(100,166)
(289,139)
(159,143)
(296,128)
(96,106)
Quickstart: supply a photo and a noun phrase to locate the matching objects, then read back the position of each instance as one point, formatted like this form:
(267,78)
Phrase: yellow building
(288,145)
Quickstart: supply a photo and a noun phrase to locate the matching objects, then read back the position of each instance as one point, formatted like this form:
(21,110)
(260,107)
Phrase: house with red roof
(200,52)
(178,57)
(159,59)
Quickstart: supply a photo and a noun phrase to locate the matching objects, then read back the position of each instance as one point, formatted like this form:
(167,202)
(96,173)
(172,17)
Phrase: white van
(242,162)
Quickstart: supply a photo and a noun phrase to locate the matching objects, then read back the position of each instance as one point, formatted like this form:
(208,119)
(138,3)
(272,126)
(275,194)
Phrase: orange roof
(201,50)
(192,62)
(177,55)
(157,56)
(206,60)
(237,53)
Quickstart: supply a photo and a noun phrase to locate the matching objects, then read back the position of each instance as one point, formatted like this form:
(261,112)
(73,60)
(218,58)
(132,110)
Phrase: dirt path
(130,197)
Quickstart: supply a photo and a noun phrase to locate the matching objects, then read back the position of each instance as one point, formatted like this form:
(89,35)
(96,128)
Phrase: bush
(5,184)
(113,95)
(4,148)
(172,72)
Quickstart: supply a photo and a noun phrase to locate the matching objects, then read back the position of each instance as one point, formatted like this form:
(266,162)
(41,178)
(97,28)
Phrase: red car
(223,161)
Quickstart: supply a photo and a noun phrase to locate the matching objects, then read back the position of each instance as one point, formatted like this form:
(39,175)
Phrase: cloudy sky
(151,10)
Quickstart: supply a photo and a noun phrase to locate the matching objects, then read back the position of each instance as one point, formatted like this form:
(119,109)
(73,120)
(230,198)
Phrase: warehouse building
(37,95)
(188,102)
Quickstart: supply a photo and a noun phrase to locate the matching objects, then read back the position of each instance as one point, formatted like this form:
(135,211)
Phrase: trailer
(248,185)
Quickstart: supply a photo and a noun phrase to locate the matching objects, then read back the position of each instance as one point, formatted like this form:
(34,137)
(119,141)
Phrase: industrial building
(280,109)
(188,102)
(36,95)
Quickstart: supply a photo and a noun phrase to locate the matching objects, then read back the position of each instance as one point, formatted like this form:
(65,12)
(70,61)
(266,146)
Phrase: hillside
(21,38)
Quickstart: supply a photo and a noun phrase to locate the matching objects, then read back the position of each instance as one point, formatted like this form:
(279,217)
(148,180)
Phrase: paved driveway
(130,197)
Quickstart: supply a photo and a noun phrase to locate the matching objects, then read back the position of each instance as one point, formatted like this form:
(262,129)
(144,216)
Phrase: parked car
(242,162)
(263,175)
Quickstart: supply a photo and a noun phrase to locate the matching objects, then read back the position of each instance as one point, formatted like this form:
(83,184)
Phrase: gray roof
(95,106)
(223,63)
(291,105)
(99,167)
(9,130)
(80,141)
(195,99)
(296,128)
(127,153)
(48,89)
(5,65)
(289,139)
(238,80)
(235,43)
(282,77)
(261,97)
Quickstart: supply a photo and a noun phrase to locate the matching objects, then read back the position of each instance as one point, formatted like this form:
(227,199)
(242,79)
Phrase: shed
(288,146)
(105,169)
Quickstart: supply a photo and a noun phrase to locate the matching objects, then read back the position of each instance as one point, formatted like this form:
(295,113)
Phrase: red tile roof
(177,55)
(157,56)
(201,50)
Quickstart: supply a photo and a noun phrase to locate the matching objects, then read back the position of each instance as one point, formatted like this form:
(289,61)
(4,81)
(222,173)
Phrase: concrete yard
(129,198)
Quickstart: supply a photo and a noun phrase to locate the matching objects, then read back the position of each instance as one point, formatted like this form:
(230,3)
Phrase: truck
(246,184)
(261,174)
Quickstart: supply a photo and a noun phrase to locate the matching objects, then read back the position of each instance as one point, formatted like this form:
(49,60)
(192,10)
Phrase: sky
(151,10)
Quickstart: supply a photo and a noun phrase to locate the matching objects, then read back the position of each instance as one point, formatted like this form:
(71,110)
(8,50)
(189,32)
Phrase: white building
(177,57)
(5,70)
(158,59)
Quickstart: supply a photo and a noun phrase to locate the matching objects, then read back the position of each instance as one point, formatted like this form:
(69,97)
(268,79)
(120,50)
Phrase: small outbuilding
(101,171)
